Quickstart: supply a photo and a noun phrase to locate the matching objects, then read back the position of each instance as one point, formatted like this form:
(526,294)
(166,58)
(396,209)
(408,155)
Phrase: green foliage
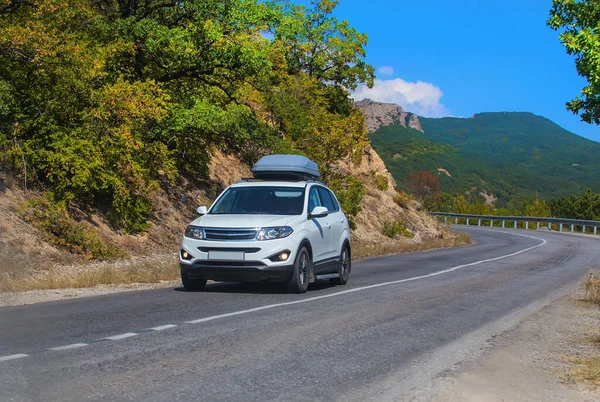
(325,48)
(578,22)
(585,205)
(100,100)
(349,191)
(459,204)
(535,207)
(392,229)
(581,206)
(509,155)
(381,182)
(62,231)
(300,114)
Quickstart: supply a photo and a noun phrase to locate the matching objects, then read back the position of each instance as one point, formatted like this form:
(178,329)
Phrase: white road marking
(67,347)
(120,336)
(12,357)
(162,327)
(311,299)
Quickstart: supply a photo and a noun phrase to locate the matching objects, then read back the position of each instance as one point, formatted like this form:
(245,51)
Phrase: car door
(319,229)
(335,220)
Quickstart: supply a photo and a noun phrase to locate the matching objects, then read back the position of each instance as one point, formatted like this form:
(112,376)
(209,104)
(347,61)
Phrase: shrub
(59,229)
(381,182)
(402,199)
(393,228)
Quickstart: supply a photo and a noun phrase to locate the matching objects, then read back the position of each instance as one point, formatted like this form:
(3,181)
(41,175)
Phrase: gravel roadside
(530,363)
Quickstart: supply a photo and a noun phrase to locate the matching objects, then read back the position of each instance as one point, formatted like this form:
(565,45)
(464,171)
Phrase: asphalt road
(400,323)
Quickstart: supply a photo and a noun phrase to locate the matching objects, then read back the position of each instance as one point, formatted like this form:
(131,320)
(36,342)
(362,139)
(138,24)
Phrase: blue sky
(462,57)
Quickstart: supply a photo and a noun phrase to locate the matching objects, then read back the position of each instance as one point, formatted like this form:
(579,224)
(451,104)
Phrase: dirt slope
(379,206)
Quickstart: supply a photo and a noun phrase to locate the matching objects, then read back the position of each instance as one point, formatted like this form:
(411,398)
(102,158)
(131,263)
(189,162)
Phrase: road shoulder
(530,362)
(10,299)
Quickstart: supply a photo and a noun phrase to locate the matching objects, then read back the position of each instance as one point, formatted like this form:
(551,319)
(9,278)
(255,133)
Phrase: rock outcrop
(379,114)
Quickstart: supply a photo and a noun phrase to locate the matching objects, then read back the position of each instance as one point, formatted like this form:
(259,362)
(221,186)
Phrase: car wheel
(345,266)
(298,283)
(192,285)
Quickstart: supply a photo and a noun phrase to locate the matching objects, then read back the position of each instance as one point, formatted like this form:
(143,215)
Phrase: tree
(578,22)
(424,184)
(578,206)
(102,100)
(535,207)
(299,109)
(329,50)
(102,97)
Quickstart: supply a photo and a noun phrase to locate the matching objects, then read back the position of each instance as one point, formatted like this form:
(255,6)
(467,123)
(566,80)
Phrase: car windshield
(260,200)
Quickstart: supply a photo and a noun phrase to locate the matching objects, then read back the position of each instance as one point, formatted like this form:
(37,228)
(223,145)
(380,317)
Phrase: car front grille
(229,234)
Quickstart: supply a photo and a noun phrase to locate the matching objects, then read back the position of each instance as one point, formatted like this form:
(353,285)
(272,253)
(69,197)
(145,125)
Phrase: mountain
(506,156)
(379,114)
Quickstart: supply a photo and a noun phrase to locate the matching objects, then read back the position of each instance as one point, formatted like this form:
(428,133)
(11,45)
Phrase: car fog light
(186,256)
(283,256)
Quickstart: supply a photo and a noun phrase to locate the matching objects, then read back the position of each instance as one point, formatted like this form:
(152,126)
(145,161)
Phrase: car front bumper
(255,266)
(234,271)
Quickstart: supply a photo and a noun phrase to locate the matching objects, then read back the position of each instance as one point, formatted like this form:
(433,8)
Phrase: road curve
(400,323)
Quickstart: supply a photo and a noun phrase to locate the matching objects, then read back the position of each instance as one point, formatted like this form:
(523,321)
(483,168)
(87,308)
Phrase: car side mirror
(319,212)
(202,210)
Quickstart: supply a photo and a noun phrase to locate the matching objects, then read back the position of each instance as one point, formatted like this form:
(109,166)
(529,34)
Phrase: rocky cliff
(379,114)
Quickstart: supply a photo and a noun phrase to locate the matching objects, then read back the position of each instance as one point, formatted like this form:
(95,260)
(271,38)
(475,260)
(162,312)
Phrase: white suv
(281,226)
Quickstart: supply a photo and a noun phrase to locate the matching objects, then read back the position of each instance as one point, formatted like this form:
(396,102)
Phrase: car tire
(298,283)
(192,285)
(345,266)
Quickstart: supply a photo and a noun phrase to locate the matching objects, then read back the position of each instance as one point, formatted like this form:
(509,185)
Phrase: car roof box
(285,167)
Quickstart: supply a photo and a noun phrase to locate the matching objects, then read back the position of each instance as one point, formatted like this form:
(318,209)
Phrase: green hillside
(510,155)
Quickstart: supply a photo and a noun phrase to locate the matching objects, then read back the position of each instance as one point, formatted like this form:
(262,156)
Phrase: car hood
(242,221)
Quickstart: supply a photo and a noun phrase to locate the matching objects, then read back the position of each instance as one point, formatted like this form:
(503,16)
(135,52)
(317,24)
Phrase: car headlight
(278,232)
(195,232)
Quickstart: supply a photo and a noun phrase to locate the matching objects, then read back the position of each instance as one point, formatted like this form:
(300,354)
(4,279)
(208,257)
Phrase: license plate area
(226,255)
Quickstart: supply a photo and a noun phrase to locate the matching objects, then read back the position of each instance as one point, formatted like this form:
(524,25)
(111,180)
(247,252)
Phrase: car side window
(336,206)
(313,199)
(326,198)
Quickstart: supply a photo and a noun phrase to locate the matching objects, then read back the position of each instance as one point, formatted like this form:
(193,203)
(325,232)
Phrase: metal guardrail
(513,221)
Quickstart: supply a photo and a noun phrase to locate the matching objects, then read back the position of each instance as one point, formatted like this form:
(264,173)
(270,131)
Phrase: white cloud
(422,98)
(386,70)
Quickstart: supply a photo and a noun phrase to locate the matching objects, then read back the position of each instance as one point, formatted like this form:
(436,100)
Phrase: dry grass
(398,247)
(591,288)
(586,368)
(150,270)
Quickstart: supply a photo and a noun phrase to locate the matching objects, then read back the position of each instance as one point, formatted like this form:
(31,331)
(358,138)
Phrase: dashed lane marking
(12,357)
(67,347)
(163,327)
(120,336)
